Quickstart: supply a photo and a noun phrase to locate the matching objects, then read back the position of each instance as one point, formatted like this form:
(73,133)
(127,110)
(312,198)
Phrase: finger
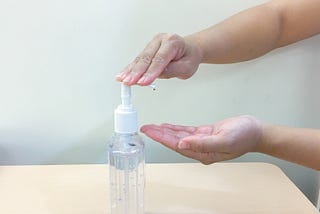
(166,53)
(122,75)
(171,140)
(142,62)
(162,135)
(190,129)
(165,136)
(178,131)
(191,154)
(193,130)
(205,157)
(203,143)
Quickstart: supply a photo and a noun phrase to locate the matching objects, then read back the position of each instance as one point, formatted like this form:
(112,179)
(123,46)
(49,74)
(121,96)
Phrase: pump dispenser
(125,116)
(126,159)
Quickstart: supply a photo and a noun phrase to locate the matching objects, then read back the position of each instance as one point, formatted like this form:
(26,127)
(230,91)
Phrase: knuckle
(159,36)
(137,59)
(247,118)
(172,37)
(175,41)
(158,59)
(145,58)
(175,45)
(167,36)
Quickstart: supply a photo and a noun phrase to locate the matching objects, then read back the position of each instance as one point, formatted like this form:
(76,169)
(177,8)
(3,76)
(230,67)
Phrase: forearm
(242,37)
(256,31)
(301,146)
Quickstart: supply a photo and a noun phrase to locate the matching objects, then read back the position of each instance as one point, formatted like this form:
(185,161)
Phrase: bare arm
(244,36)
(298,145)
(258,30)
(233,137)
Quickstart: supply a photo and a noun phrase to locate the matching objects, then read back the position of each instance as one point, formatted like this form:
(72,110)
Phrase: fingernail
(120,74)
(119,77)
(143,129)
(145,80)
(183,145)
(141,80)
(128,79)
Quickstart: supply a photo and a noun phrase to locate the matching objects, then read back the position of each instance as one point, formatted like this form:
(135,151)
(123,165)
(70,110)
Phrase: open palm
(220,141)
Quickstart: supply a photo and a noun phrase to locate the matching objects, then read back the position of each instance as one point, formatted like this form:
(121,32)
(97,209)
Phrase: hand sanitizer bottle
(126,160)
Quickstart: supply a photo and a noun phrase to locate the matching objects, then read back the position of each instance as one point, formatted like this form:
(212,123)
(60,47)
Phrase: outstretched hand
(166,56)
(208,144)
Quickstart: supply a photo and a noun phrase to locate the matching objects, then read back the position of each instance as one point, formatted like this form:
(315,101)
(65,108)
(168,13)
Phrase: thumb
(202,143)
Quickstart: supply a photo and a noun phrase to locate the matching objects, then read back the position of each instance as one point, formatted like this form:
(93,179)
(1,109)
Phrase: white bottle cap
(125,116)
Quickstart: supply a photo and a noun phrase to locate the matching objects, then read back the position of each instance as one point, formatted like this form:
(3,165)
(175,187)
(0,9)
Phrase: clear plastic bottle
(126,160)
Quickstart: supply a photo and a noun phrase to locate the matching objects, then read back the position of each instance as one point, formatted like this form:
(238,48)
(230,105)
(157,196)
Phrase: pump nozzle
(125,94)
(125,116)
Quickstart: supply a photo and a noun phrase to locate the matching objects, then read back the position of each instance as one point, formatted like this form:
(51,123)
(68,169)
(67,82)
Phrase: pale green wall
(57,88)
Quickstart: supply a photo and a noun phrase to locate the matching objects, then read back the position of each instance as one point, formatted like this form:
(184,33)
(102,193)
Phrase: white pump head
(125,116)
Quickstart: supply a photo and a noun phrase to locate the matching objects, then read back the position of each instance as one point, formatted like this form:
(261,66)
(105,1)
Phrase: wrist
(194,44)
(263,144)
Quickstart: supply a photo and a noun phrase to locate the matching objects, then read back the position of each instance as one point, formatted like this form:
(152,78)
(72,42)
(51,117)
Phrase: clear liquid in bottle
(127,179)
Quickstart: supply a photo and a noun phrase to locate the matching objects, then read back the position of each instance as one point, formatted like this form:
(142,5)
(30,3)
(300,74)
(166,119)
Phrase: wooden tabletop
(220,188)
